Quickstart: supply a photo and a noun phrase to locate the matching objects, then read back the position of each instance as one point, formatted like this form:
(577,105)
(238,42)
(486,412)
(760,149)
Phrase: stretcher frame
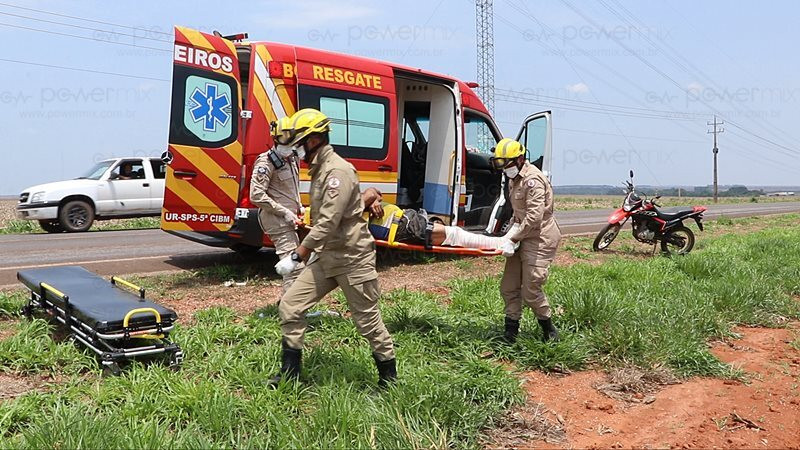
(107,345)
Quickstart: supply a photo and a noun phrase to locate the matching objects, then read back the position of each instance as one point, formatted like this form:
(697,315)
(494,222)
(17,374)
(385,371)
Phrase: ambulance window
(479,135)
(336,110)
(354,123)
(365,127)
(205,108)
(535,138)
(358,121)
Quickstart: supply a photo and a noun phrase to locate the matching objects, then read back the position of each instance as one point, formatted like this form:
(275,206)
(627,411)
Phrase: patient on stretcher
(388,222)
(412,227)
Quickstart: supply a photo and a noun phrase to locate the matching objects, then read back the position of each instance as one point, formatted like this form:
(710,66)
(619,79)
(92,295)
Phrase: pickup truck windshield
(97,171)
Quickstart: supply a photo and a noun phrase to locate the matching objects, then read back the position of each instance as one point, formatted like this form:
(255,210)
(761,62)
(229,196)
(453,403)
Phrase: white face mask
(299,151)
(511,172)
(284,151)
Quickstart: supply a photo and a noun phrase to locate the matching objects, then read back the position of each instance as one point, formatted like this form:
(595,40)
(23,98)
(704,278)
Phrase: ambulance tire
(76,216)
(51,226)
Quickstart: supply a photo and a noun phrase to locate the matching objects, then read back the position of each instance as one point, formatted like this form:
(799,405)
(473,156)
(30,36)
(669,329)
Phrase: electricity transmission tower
(715,132)
(484,25)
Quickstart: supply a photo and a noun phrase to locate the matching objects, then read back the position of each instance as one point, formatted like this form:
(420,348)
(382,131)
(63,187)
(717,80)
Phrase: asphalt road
(147,251)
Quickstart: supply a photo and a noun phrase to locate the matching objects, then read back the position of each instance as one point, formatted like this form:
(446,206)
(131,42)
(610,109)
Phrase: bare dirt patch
(763,412)
(8,211)
(12,386)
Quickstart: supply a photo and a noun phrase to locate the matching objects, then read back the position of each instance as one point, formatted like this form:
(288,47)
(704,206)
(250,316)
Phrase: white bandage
(457,237)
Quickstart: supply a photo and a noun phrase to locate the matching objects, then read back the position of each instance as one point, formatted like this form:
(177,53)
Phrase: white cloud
(578,88)
(694,86)
(310,14)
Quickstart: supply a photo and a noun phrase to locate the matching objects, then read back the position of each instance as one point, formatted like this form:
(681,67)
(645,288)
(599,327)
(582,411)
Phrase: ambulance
(423,139)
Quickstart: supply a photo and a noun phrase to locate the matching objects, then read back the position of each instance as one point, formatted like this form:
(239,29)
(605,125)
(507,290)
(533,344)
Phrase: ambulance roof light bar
(232,37)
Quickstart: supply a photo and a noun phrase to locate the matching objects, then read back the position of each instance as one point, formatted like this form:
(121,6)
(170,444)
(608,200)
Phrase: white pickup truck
(112,189)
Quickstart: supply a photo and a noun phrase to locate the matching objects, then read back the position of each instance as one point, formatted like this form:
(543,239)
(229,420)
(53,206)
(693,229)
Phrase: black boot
(512,330)
(387,371)
(290,366)
(549,331)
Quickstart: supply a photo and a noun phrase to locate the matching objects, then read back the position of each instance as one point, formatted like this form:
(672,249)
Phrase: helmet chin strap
(312,152)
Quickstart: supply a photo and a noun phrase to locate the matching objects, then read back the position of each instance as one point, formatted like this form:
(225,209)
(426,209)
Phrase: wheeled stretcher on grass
(115,323)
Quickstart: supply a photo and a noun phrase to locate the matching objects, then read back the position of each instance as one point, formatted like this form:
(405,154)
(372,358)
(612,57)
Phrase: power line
(657,70)
(545,28)
(698,73)
(633,109)
(761,144)
(77,69)
(650,138)
(85,37)
(83,19)
(512,99)
(739,67)
(169,41)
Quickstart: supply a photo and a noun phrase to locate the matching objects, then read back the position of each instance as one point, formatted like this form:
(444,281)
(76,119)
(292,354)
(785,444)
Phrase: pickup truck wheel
(76,216)
(51,226)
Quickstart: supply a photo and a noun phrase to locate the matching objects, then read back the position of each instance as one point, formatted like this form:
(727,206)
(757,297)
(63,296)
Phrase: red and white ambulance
(423,139)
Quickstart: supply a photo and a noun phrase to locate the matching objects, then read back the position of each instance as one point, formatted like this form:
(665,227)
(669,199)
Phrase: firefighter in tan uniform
(339,249)
(537,235)
(275,189)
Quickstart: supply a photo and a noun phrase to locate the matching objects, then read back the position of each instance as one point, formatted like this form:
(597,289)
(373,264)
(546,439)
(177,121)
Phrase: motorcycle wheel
(606,236)
(679,240)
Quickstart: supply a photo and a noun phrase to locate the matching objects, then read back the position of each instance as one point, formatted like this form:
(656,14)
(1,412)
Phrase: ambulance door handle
(185,174)
(384,168)
(145,184)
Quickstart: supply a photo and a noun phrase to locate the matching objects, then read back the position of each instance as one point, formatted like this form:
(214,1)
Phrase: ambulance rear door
(204,156)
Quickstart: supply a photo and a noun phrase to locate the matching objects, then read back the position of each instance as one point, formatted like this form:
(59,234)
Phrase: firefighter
(526,270)
(339,251)
(275,189)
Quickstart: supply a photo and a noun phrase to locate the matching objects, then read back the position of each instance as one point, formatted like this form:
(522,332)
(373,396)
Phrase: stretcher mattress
(94,300)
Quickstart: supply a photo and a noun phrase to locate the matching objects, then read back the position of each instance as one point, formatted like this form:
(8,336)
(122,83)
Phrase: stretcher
(112,318)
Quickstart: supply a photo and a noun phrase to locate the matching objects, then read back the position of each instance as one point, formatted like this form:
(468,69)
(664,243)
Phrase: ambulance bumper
(37,212)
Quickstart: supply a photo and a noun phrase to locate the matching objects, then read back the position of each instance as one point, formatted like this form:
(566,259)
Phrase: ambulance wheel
(174,362)
(76,216)
(111,370)
(244,249)
(51,226)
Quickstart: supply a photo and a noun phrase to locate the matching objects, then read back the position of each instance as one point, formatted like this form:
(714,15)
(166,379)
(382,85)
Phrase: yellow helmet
(308,121)
(506,151)
(281,131)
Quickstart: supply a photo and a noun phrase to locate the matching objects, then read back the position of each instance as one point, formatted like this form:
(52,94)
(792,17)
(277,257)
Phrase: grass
(17,226)
(456,376)
(578,202)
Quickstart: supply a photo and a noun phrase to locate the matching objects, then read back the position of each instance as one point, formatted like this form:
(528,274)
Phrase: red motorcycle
(649,224)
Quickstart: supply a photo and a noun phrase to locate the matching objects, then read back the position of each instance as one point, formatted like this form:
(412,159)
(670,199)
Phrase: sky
(631,84)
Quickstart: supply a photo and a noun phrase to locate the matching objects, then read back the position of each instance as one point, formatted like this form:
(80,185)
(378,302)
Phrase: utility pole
(715,132)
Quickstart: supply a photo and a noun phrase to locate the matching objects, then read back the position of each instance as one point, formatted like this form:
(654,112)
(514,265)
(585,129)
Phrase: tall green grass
(659,310)
(218,399)
(454,371)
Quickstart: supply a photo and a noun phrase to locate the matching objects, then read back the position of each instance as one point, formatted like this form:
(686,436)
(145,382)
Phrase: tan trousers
(522,285)
(311,286)
(285,242)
